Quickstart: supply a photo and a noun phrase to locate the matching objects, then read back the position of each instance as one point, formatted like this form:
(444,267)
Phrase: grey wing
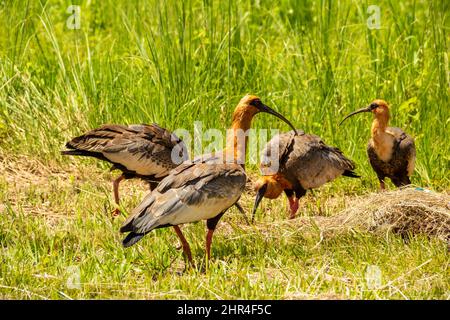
(276,152)
(407,149)
(96,140)
(157,134)
(313,163)
(198,192)
(405,153)
(147,150)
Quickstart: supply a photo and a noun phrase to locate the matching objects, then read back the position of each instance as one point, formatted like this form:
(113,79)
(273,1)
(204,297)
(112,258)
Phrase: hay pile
(404,211)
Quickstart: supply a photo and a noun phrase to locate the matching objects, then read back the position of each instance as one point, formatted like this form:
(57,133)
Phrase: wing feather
(197,191)
(306,159)
(147,150)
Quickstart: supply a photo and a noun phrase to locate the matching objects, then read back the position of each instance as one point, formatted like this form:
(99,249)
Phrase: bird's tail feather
(84,153)
(351,174)
(73,153)
(131,239)
(127,226)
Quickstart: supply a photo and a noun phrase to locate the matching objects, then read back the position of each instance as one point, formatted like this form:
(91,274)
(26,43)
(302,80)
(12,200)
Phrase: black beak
(366,109)
(258,199)
(264,108)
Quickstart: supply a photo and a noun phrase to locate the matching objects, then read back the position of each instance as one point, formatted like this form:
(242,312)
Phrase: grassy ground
(314,61)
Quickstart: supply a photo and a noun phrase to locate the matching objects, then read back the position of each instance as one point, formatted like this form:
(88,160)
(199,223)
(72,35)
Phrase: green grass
(49,228)
(142,62)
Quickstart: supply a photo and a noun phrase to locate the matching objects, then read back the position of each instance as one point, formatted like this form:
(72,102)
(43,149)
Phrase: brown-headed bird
(391,151)
(142,151)
(295,163)
(199,190)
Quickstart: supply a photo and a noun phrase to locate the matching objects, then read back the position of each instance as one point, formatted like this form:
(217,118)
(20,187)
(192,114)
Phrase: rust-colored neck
(242,117)
(382,139)
(237,136)
(380,122)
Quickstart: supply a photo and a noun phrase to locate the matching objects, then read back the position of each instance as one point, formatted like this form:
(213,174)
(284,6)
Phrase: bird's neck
(237,136)
(382,140)
(242,119)
(379,125)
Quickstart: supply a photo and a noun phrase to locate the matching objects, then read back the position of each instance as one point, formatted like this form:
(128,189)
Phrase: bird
(391,152)
(142,151)
(294,163)
(201,189)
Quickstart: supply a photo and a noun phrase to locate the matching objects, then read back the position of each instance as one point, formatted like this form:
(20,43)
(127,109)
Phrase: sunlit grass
(49,230)
(186,61)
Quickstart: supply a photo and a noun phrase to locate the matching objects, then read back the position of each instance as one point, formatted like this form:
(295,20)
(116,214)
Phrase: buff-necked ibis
(141,151)
(391,151)
(199,190)
(304,162)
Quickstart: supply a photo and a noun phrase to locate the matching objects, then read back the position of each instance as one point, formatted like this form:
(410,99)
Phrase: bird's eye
(373,106)
(255,102)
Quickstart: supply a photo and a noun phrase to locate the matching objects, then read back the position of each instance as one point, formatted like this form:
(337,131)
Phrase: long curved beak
(365,109)
(258,199)
(269,110)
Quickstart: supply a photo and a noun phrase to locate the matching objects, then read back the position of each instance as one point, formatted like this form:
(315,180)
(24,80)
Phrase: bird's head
(249,106)
(269,187)
(378,107)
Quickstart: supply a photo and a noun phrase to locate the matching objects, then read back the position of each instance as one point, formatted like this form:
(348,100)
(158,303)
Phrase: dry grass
(406,211)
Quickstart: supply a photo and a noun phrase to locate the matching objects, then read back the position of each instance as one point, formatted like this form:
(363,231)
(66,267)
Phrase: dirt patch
(32,186)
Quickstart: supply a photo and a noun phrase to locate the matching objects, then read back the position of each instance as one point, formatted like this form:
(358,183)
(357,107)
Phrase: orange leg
(116,182)
(293,206)
(185,244)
